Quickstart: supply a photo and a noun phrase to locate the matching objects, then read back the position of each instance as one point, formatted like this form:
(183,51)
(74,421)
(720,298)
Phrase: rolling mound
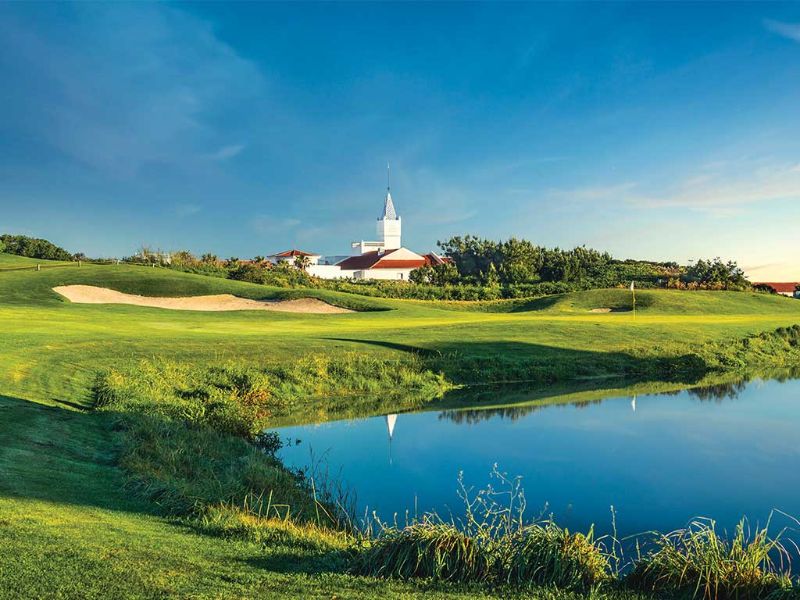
(89,294)
(615,301)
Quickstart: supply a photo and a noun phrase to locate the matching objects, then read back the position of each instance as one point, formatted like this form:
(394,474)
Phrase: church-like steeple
(389,222)
(388,205)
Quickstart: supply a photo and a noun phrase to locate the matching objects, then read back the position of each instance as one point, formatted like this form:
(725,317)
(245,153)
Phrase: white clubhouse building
(385,258)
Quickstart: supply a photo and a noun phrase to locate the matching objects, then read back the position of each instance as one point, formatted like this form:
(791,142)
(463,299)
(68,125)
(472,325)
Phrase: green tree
(302,262)
(716,274)
(22,245)
(491,278)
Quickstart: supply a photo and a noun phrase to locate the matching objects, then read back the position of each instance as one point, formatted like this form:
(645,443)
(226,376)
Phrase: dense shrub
(280,275)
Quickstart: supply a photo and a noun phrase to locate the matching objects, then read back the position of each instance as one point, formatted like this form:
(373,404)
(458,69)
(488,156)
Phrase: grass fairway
(69,529)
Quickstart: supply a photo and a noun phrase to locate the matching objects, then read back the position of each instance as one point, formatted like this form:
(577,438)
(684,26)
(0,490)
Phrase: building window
(401,275)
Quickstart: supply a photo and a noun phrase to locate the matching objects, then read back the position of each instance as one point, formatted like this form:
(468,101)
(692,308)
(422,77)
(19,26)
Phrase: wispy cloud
(227,152)
(616,191)
(187,209)
(118,88)
(270,224)
(788,30)
(726,191)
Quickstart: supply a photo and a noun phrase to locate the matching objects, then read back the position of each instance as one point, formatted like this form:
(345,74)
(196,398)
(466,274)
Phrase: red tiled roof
(399,264)
(383,260)
(432,259)
(363,261)
(780,288)
(379,260)
(292,253)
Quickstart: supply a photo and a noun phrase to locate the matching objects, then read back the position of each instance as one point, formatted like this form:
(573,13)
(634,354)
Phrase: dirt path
(89,294)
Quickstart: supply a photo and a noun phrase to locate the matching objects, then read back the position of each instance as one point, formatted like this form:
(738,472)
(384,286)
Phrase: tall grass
(429,548)
(700,563)
(492,544)
(547,555)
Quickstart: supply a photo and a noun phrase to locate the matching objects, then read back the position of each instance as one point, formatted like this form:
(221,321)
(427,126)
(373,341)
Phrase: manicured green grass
(70,528)
(50,347)
(12,261)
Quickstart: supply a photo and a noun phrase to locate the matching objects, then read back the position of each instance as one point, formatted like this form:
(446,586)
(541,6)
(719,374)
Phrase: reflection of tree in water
(719,392)
(470,417)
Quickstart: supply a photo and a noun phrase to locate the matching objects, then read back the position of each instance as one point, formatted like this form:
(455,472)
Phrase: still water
(660,460)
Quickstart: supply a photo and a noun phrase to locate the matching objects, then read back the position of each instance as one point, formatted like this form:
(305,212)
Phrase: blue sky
(659,131)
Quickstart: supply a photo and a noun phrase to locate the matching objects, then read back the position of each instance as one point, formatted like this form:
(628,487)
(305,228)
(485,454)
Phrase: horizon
(655,132)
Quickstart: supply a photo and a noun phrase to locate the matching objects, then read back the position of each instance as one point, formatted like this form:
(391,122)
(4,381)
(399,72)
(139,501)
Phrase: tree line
(519,262)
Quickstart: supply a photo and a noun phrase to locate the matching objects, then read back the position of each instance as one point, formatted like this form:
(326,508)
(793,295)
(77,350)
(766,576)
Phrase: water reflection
(723,450)
(716,392)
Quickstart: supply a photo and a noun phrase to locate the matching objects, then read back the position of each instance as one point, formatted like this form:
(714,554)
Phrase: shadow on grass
(288,561)
(61,455)
(478,363)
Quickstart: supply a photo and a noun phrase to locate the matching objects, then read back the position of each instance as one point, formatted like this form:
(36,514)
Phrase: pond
(723,452)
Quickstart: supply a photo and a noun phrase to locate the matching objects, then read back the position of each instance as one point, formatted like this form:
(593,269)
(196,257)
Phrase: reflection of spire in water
(390,421)
(633,404)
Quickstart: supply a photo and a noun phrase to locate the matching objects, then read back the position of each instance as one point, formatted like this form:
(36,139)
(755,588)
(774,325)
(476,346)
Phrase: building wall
(328,272)
(384,274)
(389,233)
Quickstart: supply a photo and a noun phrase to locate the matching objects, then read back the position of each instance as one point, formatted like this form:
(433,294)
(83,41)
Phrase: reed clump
(547,555)
(492,544)
(427,549)
(698,562)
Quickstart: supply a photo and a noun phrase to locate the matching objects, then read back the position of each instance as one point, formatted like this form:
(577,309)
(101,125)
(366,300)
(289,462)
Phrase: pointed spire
(388,205)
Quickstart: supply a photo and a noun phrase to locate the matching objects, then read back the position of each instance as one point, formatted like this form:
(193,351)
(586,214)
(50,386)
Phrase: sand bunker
(89,294)
(609,310)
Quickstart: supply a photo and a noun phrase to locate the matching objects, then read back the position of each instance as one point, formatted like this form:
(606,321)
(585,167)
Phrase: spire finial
(387,177)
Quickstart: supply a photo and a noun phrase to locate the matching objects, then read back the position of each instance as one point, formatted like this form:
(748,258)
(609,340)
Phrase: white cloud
(727,191)
(788,30)
(227,152)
